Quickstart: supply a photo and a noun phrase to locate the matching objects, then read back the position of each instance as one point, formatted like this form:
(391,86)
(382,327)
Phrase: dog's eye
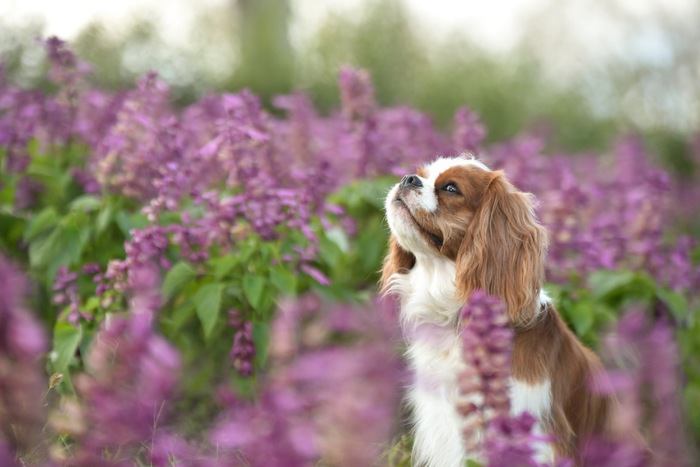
(450,187)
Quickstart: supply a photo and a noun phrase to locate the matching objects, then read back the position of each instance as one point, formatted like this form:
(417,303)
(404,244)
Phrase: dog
(457,227)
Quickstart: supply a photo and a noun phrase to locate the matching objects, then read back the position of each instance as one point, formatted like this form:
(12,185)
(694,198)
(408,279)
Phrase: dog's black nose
(411,181)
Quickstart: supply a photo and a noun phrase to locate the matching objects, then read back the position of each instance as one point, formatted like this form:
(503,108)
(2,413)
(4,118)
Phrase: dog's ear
(503,250)
(397,260)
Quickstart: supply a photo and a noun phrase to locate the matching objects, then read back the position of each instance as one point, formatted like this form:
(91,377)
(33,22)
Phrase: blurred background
(580,70)
(583,74)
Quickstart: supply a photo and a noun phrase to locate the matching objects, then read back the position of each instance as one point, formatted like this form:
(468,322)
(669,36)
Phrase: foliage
(211,269)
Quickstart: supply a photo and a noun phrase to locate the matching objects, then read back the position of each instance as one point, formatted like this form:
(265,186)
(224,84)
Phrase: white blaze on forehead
(438,166)
(428,198)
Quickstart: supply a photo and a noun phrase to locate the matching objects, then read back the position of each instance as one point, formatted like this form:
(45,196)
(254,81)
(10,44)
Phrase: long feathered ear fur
(503,250)
(397,260)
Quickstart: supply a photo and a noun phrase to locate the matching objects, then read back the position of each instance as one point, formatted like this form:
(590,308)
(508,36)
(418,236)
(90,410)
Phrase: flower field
(196,286)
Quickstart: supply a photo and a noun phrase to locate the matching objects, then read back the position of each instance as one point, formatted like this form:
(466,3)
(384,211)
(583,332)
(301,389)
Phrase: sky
(575,40)
(495,24)
(587,27)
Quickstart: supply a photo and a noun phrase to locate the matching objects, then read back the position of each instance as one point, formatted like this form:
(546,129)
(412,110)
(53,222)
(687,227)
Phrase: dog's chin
(409,233)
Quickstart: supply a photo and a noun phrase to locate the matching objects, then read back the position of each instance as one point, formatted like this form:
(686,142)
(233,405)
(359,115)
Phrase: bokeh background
(582,70)
(123,196)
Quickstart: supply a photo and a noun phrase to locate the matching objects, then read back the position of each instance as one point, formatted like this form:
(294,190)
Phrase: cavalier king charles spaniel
(457,227)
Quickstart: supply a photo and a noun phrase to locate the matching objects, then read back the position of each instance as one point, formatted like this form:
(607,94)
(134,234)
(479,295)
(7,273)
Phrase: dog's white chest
(435,358)
(429,311)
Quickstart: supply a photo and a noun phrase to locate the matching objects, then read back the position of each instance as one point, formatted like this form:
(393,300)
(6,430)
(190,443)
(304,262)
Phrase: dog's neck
(429,294)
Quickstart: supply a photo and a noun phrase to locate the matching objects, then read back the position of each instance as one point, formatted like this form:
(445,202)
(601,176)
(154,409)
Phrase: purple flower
(22,380)
(356,93)
(610,453)
(143,138)
(65,293)
(321,400)
(243,348)
(510,441)
(131,375)
(468,132)
(317,275)
(86,180)
(487,341)
(27,193)
(169,449)
(211,174)
(644,377)
(487,344)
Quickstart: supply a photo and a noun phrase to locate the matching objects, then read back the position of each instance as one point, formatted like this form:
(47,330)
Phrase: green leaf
(618,288)
(207,302)
(7,188)
(371,243)
(691,395)
(582,317)
(62,247)
(364,192)
(261,339)
(12,228)
(330,252)
(283,280)
(66,339)
(180,316)
(605,282)
(224,265)
(339,237)
(104,218)
(86,341)
(127,222)
(92,303)
(253,286)
(250,246)
(675,302)
(178,276)
(42,222)
(85,203)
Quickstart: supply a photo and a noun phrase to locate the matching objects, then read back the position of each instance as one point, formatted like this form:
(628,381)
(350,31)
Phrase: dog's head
(459,209)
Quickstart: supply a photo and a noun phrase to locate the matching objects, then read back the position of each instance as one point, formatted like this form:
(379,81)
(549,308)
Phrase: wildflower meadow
(196,286)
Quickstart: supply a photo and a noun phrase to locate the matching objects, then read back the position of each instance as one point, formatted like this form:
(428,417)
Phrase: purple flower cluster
(489,429)
(375,140)
(65,292)
(603,213)
(330,394)
(143,138)
(243,348)
(65,68)
(643,374)
(130,375)
(249,171)
(487,342)
(27,192)
(468,132)
(212,174)
(321,400)
(30,114)
(510,441)
(22,381)
(356,93)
